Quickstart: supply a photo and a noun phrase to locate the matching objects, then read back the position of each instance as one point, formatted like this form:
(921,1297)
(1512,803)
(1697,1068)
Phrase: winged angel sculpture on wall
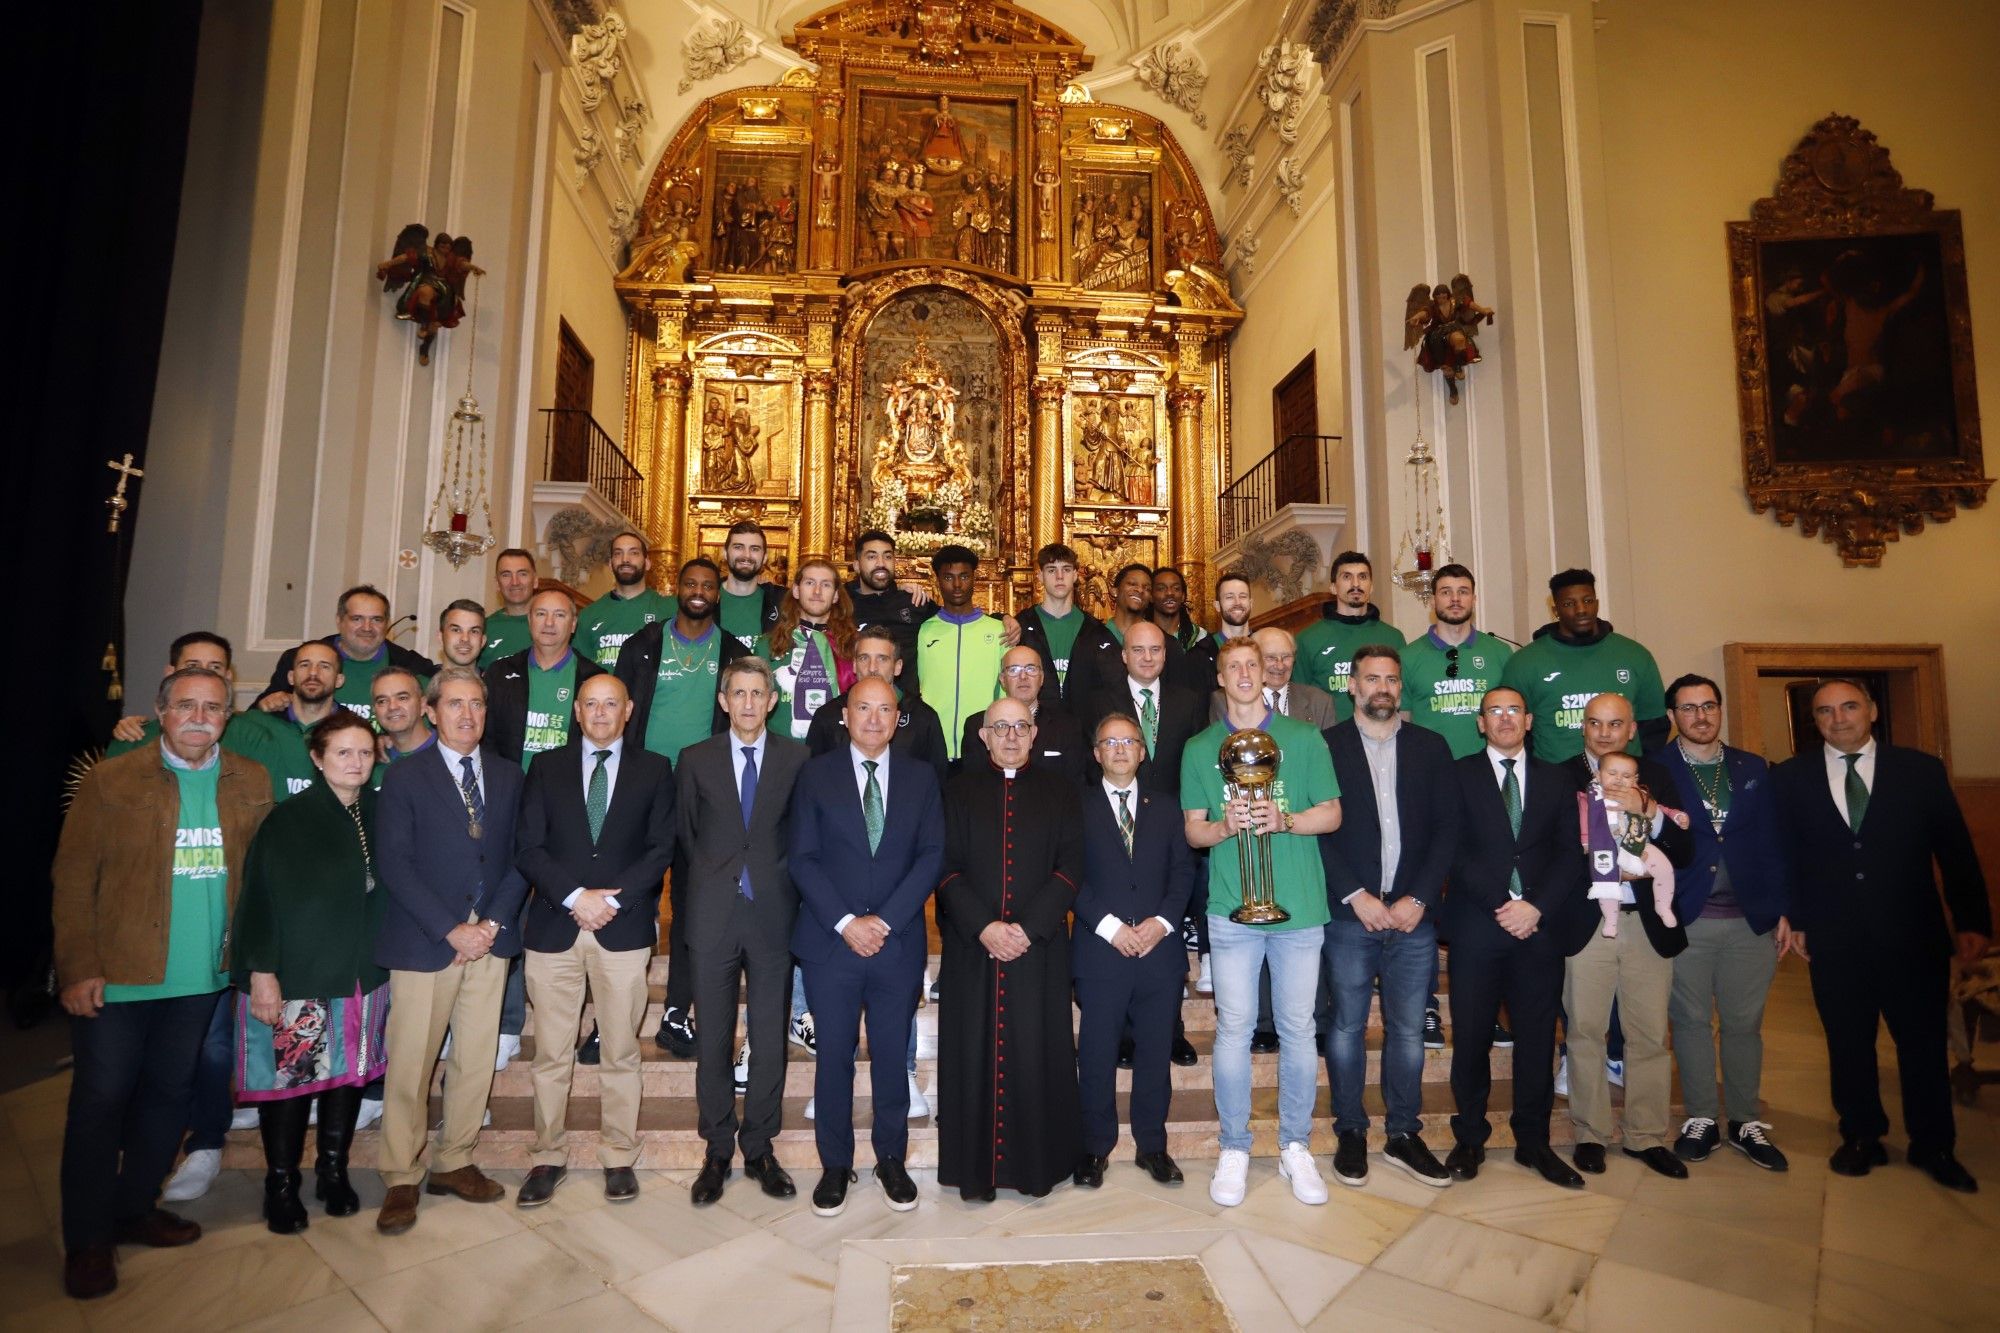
(1440,322)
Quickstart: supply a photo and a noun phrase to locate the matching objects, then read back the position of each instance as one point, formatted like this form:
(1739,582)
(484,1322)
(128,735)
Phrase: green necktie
(1510,796)
(598,799)
(1857,793)
(1149,718)
(1125,820)
(871,806)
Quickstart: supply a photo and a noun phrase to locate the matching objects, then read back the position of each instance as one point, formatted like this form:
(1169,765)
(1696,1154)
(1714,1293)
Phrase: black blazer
(407,658)
(1875,892)
(716,846)
(835,873)
(639,667)
(1060,745)
(918,732)
(1426,817)
(507,700)
(1183,712)
(1157,879)
(1675,843)
(1094,645)
(435,872)
(1751,843)
(553,849)
(1555,872)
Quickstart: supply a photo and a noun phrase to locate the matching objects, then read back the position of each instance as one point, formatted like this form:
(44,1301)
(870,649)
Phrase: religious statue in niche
(432,275)
(741,425)
(1111,237)
(934,180)
(1114,452)
(921,446)
(1440,322)
(754,224)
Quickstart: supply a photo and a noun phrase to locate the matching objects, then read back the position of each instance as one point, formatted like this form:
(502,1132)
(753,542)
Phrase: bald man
(596,832)
(530,694)
(1059,744)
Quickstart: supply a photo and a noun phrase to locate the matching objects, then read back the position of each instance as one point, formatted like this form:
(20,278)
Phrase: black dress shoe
(540,1186)
(770,1177)
(978,1193)
(707,1186)
(621,1184)
(1125,1053)
(1263,1043)
(1185,1054)
(1589,1157)
(676,1033)
(158,1229)
(897,1187)
(591,1051)
(1946,1171)
(1662,1160)
(1463,1161)
(90,1271)
(1089,1171)
(1551,1166)
(1857,1157)
(830,1195)
(1160,1167)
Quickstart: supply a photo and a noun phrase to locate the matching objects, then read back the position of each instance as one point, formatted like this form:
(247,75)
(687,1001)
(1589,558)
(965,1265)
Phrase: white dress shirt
(1133,685)
(861,785)
(1836,774)
(737,745)
(454,764)
(1494,757)
(1107,928)
(1277,698)
(590,749)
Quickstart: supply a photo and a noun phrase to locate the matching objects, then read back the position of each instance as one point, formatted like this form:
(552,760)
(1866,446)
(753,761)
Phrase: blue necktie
(468,782)
(749,797)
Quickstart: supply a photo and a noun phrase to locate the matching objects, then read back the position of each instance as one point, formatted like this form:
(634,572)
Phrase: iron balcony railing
(576,448)
(1298,471)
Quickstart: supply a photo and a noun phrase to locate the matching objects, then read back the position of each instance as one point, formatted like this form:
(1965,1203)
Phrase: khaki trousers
(464,997)
(617,980)
(1625,968)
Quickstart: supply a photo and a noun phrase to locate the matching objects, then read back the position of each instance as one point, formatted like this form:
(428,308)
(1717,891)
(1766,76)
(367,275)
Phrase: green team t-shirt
(743,616)
(1326,656)
(1062,631)
(610,620)
(1558,679)
(357,681)
(683,709)
(1441,693)
(551,700)
(958,668)
(808,677)
(1305,778)
(506,634)
(278,742)
(199,910)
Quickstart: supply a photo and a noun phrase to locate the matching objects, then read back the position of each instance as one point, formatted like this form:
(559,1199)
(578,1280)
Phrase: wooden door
(1295,409)
(569,453)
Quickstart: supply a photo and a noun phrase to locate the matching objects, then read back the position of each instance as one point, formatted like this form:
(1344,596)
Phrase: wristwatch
(1288,821)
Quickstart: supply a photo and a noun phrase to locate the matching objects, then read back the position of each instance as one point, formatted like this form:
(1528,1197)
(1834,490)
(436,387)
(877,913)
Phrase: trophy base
(1259,914)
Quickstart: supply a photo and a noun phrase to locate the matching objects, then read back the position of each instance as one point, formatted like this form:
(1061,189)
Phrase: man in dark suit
(1125,952)
(919,734)
(596,835)
(1633,971)
(867,843)
(531,694)
(1385,871)
(1517,871)
(1059,744)
(1730,900)
(735,830)
(1865,823)
(444,830)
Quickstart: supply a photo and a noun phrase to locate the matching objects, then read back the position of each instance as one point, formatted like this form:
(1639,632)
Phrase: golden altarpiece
(933,288)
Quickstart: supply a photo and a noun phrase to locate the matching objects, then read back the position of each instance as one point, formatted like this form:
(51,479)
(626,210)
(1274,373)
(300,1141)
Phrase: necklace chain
(1711,793)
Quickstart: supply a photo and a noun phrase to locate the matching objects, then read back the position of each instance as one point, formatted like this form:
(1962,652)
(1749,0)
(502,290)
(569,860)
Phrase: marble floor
(1731,1248)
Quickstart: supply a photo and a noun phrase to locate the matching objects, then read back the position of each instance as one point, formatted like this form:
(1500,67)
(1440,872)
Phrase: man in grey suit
(734,799)
(1293,698)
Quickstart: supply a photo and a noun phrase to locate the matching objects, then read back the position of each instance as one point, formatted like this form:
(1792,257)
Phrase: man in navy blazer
(1126,956)
(444,833)
(1730,898)
(867,845)
(1864,825)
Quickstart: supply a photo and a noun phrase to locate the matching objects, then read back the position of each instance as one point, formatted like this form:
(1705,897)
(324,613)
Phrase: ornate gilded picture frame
(1853,337)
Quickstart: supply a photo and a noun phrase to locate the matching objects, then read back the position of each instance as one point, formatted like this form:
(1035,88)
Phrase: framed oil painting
(934,177)
(1854,349)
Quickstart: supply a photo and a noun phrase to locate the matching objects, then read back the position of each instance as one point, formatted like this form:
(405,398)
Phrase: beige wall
(579,291)
(1699,102)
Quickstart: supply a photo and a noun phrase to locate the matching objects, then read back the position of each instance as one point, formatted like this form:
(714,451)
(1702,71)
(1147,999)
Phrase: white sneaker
(802,1033)
(1296,1164)
(197,1172)
(1204,984)
(920,1105)
(1615,1071)
(312,1113)
(509,1048)
(1231,1178)
(809,1106)
(444,1051)
(371,1113)
(246,1117)
(743,1067)
(1562,1078)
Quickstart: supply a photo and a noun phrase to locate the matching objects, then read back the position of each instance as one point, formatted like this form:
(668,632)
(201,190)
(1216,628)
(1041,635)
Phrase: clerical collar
(1009,773)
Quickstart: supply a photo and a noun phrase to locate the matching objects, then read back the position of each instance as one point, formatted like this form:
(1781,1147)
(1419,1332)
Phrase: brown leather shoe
(159,1229)
(90,1271)
(468,1183)
(399,1210)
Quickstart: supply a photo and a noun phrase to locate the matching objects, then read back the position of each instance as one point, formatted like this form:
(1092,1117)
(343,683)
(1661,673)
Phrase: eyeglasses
(1703,709)
(1503,710)
(1118,744)
(1022,669)
(1450,663)
(1010,729)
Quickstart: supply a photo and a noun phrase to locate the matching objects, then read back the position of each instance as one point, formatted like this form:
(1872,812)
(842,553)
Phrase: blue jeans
(1404,963)
(1236,954)
(799,1006)
(210,1098)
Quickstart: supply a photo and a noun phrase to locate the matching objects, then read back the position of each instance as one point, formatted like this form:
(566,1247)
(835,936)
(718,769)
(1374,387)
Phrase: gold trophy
(1249,763)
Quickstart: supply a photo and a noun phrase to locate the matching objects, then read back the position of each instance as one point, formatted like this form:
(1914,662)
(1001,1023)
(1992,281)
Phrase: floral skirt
(317,1044)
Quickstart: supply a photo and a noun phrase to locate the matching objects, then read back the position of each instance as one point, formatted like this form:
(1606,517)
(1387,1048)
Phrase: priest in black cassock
(1008,1115)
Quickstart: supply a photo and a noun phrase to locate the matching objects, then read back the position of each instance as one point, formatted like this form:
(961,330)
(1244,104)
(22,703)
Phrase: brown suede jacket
(113,870)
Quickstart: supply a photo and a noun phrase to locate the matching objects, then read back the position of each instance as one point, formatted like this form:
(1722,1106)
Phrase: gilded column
(1048,194)
(816,483)
(1048,394)
(666,505)
(1191,544)
(826,167)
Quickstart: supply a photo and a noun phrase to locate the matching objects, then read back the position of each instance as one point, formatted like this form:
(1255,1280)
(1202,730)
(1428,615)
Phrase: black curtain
(98,155)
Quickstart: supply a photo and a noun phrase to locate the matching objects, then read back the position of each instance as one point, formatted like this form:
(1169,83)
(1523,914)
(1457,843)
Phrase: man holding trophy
(1259,788)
